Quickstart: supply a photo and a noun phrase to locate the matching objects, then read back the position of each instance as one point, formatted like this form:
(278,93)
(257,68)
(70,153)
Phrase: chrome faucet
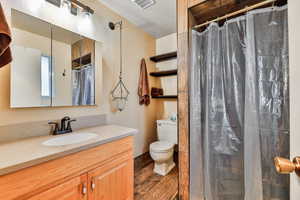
(63,128)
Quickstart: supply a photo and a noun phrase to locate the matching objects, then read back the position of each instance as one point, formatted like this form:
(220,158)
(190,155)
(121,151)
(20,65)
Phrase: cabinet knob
(93,185)
(285,166)
(84,189)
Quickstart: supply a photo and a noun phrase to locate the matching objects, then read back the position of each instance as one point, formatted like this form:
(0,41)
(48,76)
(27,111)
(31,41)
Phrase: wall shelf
(165,97)
(84,60)
(164,73)
(164,57)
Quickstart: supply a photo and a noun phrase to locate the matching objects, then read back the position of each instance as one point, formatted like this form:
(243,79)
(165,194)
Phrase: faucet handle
(56,126)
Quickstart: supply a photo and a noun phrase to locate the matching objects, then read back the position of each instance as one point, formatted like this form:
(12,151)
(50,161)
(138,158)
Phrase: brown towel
(5,39)
(143,90)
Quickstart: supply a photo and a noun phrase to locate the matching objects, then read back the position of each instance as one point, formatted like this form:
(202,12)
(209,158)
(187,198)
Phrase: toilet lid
(161,146)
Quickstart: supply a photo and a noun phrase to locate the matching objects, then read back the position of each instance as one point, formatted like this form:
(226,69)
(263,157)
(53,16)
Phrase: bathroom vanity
(100,168)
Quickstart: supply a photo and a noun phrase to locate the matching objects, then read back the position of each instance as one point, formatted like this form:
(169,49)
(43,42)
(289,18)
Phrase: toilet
(162,151)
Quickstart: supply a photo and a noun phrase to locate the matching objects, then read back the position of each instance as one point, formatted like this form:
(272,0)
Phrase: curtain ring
(226,19)
(247,8)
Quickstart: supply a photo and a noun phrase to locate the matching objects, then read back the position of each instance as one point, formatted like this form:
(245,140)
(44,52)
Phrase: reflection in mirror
(31,66)
(73,68)
(51,66)
(83,72)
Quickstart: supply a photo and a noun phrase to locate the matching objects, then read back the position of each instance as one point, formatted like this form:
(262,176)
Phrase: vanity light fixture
(84,9)
(86,13)
(55,2)
(66,4)
(73,6)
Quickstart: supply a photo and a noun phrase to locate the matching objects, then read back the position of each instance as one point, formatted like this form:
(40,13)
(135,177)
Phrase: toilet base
(163,168)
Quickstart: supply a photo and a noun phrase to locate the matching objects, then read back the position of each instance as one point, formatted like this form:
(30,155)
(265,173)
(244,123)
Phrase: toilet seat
(161,146)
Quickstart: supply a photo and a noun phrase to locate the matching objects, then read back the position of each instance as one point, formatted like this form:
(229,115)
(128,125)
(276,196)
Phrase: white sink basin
(69,139)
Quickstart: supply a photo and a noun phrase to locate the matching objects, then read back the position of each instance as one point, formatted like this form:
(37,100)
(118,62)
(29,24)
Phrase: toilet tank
(167,131)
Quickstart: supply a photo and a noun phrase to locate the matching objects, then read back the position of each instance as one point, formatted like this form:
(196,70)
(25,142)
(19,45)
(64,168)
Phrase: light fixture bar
(75,2)
(84,7)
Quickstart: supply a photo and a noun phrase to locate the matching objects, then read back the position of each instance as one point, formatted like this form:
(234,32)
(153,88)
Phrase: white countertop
(21,154)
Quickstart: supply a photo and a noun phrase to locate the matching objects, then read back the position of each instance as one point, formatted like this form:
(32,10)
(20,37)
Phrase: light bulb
(86,13)
(66,4)
(85,24)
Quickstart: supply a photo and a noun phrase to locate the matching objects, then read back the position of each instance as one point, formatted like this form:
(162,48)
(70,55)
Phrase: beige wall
(169,84)
(294,49)
(137,44)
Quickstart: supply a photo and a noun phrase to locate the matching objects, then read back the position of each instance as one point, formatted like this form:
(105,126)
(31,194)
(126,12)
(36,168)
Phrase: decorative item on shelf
(120,92)
(155,92)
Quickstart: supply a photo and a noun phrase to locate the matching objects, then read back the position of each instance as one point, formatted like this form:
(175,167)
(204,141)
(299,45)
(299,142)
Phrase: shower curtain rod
(246,9)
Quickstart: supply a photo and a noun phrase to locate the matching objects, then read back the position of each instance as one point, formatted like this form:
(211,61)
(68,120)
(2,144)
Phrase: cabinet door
(75,189)
(113,180)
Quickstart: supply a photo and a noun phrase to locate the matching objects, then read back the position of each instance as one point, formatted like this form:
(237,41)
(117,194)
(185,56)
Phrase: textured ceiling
(158,20)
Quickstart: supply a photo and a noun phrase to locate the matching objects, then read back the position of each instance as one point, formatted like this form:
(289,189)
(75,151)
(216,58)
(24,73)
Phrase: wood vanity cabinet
(100,173)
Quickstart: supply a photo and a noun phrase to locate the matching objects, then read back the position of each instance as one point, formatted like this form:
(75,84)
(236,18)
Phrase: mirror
(51,65)
(31,66)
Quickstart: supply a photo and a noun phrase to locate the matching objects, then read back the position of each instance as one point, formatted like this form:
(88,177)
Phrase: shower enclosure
(239,108)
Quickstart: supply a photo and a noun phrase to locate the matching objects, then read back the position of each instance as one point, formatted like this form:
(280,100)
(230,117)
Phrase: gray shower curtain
(239,108)
(83,86)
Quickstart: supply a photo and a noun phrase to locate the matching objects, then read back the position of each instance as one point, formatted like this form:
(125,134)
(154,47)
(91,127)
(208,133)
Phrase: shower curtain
(83,86)
(239,108)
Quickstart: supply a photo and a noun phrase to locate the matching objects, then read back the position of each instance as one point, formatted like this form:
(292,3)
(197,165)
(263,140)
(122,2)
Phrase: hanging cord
(121,52)
(121,57)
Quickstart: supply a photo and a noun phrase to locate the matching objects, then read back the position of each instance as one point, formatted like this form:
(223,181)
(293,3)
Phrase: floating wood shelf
(164,73)
(165,97)
(164,57)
